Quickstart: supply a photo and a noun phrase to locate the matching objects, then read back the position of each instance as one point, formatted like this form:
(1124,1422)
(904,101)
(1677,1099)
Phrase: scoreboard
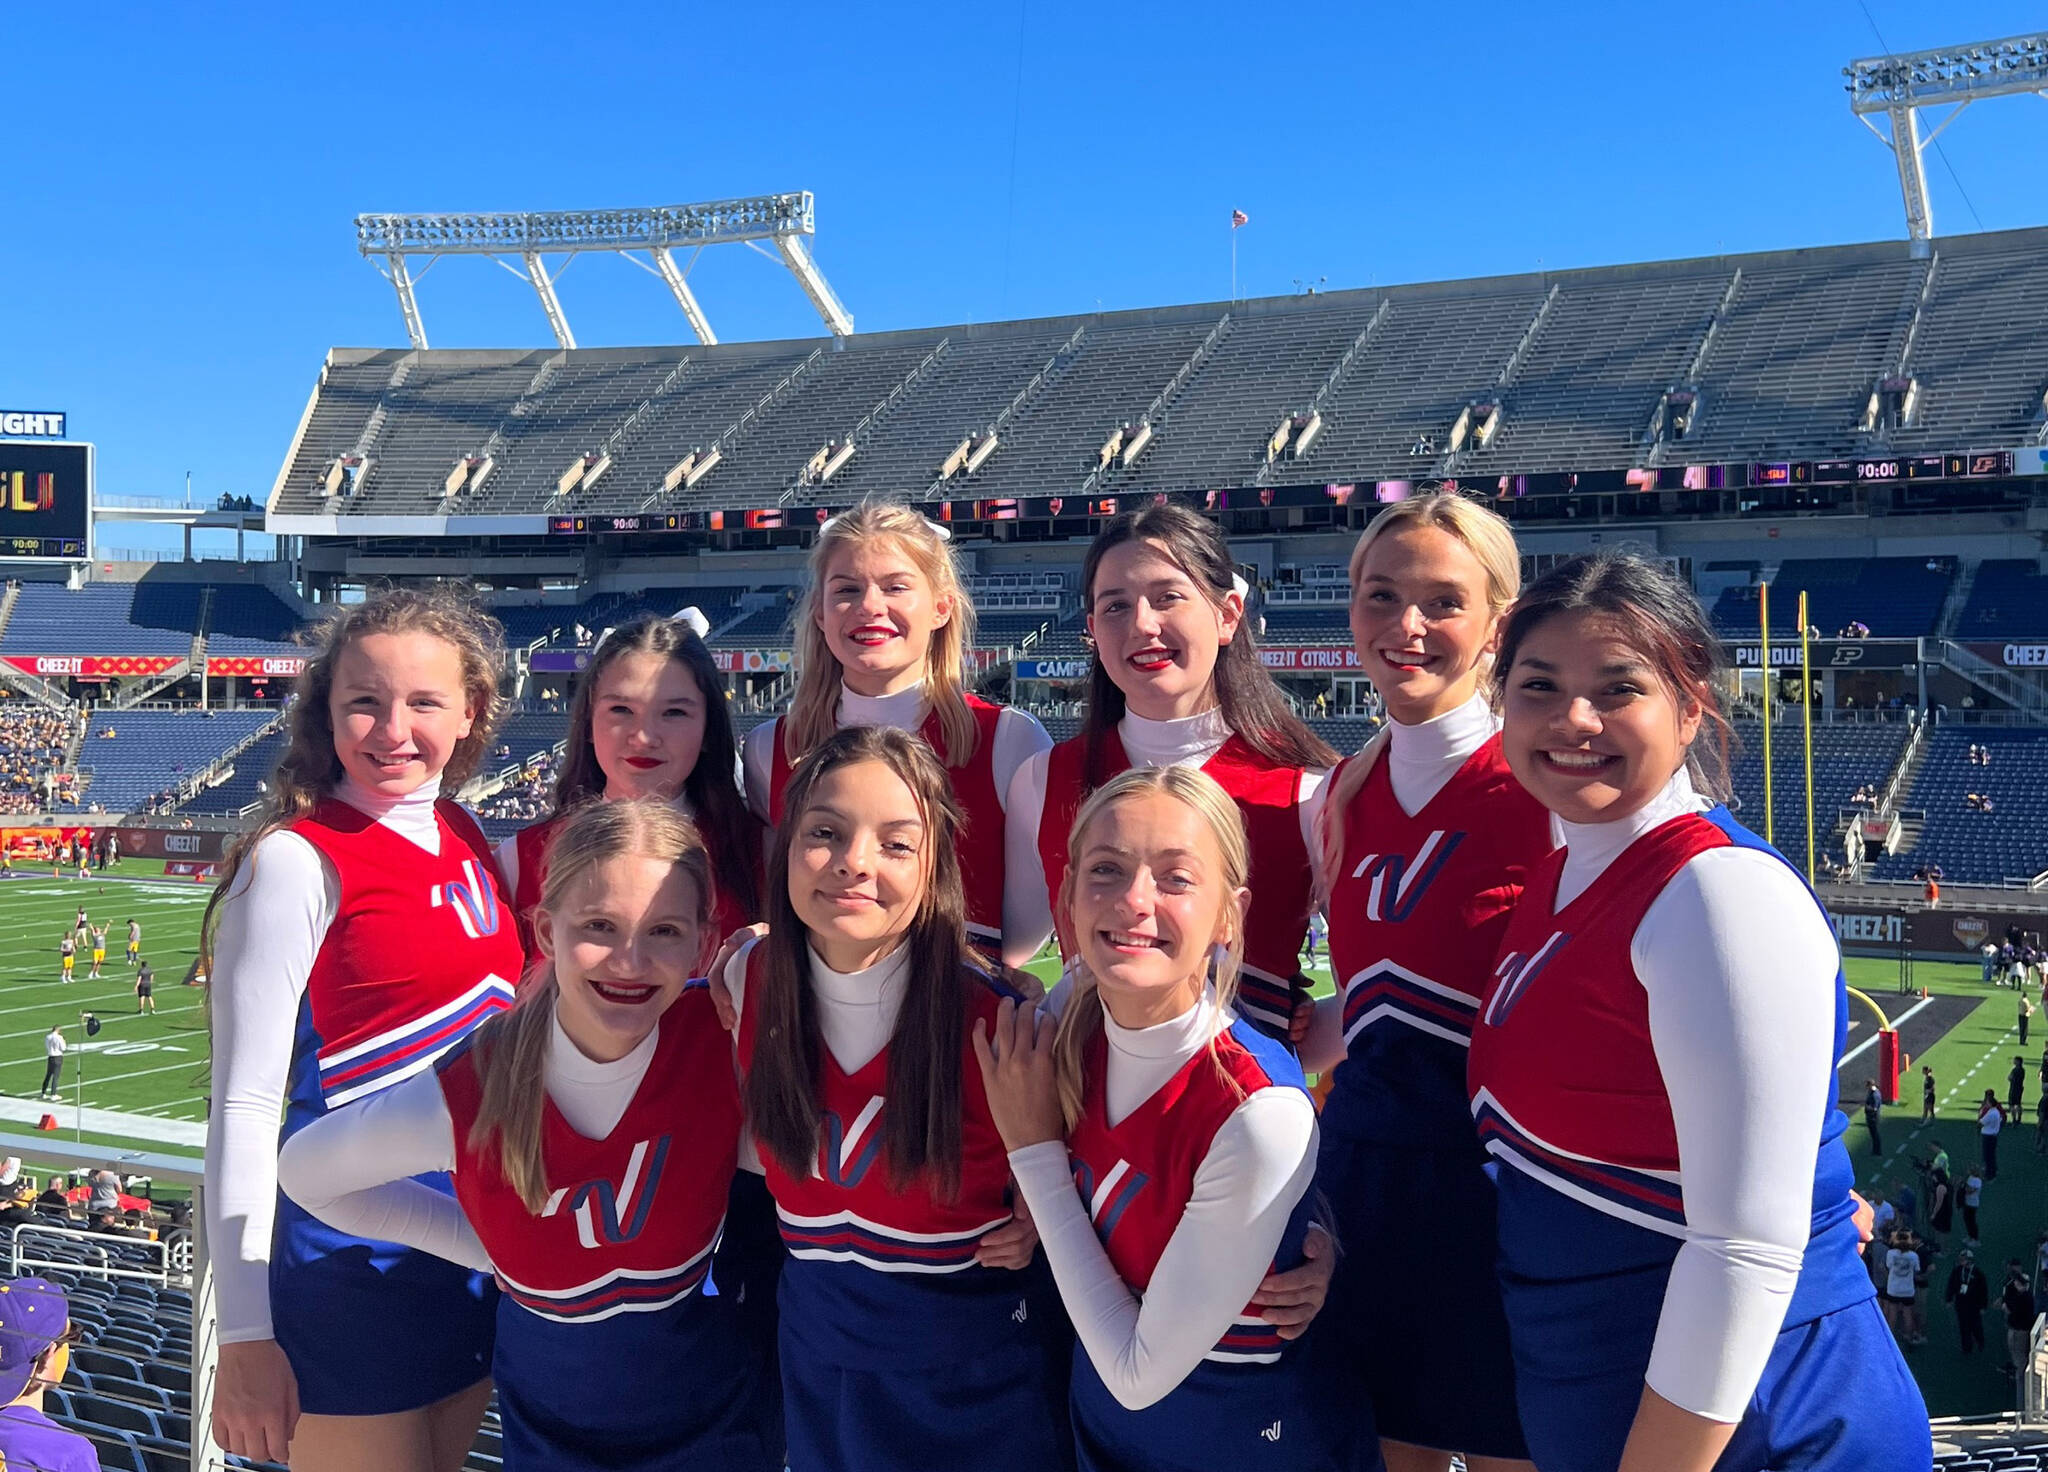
(45,500)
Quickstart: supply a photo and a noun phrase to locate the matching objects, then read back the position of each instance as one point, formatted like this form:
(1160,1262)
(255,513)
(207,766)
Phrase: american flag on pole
(1239,218)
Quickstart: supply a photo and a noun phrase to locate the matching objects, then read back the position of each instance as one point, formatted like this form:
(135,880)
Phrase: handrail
(99,1242)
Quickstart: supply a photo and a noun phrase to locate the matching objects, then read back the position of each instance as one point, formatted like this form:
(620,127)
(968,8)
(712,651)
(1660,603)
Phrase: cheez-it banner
(257,666)
(90,666)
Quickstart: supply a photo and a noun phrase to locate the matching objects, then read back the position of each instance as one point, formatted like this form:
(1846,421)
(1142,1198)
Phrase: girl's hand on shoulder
(1291,1300)
(721,994)
(1018,1074)
(1012,1244)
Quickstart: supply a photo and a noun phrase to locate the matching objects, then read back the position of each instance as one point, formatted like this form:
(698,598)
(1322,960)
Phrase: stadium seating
(153,750)
(101,618)
(554,624)
(1307,623)
(527,732)
(252,767)
(2009,599)
(246,619)
(764,628)
(2011,841)
(1894,597)
(1845,757)
(1784,348)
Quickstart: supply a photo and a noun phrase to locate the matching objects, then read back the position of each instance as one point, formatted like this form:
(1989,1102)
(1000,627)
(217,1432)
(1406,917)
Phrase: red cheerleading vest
(421,950)
(1138,1176)
(1418,907)
(845,1208)
(974,787)
(631,1219)
(531,844)
(1268,797)
(1564,1079)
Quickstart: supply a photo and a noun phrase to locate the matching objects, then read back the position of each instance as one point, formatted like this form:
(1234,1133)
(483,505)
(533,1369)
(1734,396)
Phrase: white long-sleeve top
(1259,1165)
(351,1168)
(1421,760)
(1187,742)
(272,924)
(856,1009)
(1739,966)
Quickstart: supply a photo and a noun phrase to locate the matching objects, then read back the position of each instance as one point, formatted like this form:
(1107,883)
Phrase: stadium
(1842,449)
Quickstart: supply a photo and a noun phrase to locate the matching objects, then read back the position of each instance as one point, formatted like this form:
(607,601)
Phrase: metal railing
(100,1255)
(175,1170)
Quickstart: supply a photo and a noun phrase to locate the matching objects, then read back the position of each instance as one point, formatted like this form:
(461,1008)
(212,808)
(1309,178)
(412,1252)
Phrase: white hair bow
(1240,587)
(694,618)
(939,529)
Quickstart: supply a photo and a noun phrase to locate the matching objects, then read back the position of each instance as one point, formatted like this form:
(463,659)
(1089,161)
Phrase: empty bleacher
(246,619)
(1845,757)
(100,618)
(151,750)
(1794,353)
(1894,597)
(246,785)
(2008,600)
(2009,842)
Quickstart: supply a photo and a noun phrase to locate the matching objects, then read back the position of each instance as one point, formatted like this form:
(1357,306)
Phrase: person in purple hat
(35,1350)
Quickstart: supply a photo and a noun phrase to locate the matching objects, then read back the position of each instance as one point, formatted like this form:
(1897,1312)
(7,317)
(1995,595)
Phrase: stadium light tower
(784,219)
(1899,86)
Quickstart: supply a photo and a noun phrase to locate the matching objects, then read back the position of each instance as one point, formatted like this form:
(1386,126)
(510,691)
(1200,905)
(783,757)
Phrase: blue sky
(180,180)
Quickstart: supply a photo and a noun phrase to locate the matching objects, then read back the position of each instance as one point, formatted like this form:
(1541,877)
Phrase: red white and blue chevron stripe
(1648,1198)
(1389,991)
(846,1237)
(1265,998)
(400,1052)
(1247,1342)
(621,1291)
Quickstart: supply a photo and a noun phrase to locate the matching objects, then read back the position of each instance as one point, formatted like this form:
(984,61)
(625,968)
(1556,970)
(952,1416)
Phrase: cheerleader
(1653,1072)
(907,1340)
(1165,1147)
(882,635)
(1427,842)
(650,719)
(1176,681)
(358,934)
(591,1132)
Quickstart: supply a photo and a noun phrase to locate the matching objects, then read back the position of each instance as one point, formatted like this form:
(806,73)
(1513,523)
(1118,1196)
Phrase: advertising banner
(257,666)
(1309,659)
(1869,929)
(90,666)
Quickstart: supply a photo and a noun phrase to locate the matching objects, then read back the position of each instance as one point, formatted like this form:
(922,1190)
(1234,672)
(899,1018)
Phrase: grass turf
(152,1067)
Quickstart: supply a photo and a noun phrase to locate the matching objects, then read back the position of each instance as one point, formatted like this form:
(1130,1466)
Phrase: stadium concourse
(1854,424)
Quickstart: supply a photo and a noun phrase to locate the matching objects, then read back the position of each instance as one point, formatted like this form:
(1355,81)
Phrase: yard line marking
(1870,1041)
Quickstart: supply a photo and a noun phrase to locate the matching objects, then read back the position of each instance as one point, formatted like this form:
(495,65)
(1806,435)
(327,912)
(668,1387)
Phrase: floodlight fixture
(390,241)
(1899,86)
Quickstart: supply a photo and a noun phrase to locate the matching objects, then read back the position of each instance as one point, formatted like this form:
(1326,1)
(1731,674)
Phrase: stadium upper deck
(1841,352)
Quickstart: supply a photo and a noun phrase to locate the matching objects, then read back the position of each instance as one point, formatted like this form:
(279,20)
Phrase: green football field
(142,1079)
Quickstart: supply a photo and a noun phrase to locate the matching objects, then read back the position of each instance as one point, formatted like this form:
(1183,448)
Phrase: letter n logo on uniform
(607,1215)
(1398,882)
(1517,973)
(472,898)
(850,1151)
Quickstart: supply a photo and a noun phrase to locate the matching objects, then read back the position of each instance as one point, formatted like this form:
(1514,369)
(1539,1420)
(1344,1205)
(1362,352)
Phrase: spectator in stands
(53,1202)
(35,1351)
(20,1207)
(2017,1299)
(106,1190)
(1970,1294)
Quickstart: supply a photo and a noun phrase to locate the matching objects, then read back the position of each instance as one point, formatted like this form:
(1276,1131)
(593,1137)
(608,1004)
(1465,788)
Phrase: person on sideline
(358,933)
(1970,1295)
(145,990)
(610,1357)
(53,1061)
(2017,1299)
(1654,1072)
(1926,1094)
(1873,1110)
(1990,1124)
